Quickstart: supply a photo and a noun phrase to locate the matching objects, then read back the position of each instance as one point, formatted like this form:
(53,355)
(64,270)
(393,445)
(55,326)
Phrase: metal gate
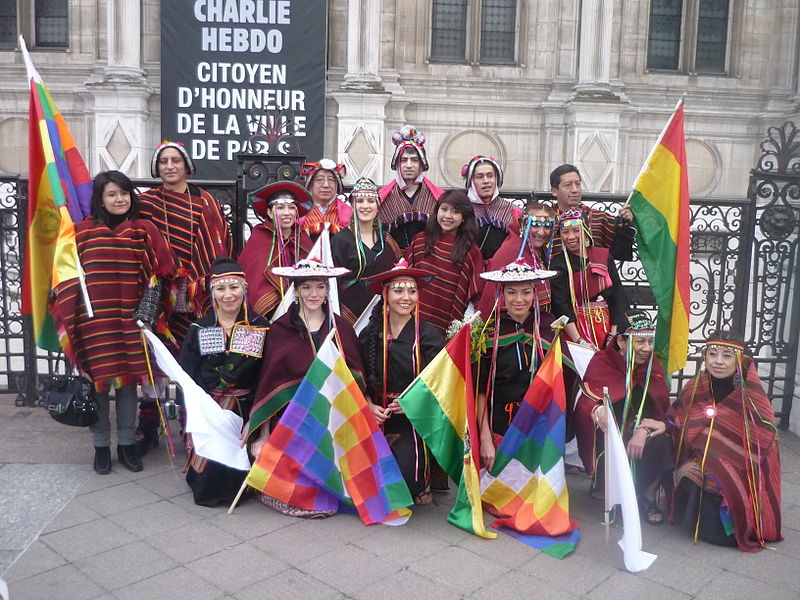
(744,269)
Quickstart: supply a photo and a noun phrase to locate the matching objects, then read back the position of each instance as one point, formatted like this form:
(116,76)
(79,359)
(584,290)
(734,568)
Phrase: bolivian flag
(441,405)
(660,204)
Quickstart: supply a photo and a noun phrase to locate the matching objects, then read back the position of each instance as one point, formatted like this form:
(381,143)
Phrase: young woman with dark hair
(728,469)
(122,256)
(396,346)
(447,249)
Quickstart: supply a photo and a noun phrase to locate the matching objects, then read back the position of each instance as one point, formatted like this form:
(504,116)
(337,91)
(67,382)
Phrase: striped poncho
(454,286)
(742,450)
(197,233)
(119,264)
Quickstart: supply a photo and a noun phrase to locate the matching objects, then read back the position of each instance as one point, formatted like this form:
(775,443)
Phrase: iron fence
(744,266)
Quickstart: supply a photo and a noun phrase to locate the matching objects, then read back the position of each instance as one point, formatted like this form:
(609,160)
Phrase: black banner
(229,66)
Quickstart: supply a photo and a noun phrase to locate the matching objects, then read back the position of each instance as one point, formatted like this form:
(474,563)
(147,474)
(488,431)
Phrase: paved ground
(66,533)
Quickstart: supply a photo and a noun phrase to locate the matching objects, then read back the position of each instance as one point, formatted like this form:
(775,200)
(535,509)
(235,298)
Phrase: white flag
(216,433)
(620,490)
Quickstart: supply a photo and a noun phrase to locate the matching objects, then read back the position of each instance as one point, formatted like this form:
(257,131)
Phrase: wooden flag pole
(238,496)
(606,495)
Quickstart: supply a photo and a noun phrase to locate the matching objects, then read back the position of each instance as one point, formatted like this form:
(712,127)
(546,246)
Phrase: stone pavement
(70,534)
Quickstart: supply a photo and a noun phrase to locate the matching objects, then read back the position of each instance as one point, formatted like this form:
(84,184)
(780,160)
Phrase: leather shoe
(102,460)
(129,457)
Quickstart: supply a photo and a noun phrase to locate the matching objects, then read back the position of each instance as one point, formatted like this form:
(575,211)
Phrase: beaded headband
(227,278)
(724,344)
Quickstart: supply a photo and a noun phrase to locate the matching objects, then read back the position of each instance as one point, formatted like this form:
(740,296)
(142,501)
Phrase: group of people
(407,260)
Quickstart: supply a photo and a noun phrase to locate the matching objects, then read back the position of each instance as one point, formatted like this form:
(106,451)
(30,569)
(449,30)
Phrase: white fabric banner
(216,433)
(620,490)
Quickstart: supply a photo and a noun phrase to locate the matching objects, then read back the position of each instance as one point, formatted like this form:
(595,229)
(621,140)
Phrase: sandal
(652,514)
(424,497)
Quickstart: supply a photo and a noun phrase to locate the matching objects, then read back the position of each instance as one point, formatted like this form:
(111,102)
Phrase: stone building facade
(572,81)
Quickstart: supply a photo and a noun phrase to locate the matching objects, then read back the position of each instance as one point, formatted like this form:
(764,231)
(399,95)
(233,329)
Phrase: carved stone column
(363,45)
(594,67)
(117,100)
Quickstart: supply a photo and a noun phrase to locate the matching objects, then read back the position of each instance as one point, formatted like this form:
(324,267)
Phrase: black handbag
(70,400)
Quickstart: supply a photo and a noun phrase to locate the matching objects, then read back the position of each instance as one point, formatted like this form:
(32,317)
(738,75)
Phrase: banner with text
(228,66)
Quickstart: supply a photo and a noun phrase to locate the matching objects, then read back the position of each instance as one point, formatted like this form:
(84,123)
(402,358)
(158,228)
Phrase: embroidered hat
(225,270)
(309,169)
(180,148)
(365,187)
(401,269)
(309,268)
(468,169)
(265,197)
(409,137)
(637,322)
(518,271)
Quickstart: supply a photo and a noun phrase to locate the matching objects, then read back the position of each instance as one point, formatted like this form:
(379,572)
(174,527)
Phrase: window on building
(474,31)
(50,19)
(8,23)
(689,36)
(47,26)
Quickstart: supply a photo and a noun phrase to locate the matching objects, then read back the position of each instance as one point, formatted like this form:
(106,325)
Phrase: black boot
(129,457)
(102,460)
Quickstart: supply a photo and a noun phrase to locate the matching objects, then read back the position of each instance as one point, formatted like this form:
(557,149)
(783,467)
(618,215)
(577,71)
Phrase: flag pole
(238,496)
(653,149)
(606,442)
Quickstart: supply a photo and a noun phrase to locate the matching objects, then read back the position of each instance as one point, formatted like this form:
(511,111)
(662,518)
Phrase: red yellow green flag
(441,405)
(660,204)
(59,195)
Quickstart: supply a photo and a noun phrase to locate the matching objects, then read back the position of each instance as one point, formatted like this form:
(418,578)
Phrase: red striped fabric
(197,233)
(118,266)
(454,287)
(728,454)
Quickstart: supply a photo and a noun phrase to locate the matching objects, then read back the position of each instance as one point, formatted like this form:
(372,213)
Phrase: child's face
(449,218)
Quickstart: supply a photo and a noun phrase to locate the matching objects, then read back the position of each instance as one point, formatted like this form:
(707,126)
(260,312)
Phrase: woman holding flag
(728,474)
(364,247)
(222,352)
(124,258)
(292,345)
(514,350)
(396,346)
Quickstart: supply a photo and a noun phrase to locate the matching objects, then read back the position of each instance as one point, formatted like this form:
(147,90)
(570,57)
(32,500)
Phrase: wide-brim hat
(309,269)
(375,283)
(517,272)
(180,148)
(262,196)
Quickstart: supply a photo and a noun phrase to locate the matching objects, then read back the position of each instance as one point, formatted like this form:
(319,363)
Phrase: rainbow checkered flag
(59,195)
(527,483)
(327,452)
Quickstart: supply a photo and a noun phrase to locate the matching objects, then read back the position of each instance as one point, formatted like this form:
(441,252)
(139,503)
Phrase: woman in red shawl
(447,249)
(728,474)
(124,258)
(276,242)
(291,347)
(639,398)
